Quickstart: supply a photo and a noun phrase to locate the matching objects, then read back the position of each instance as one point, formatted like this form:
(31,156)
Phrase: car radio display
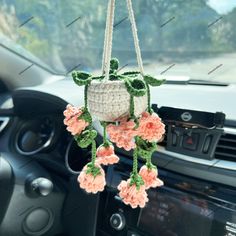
(176,214)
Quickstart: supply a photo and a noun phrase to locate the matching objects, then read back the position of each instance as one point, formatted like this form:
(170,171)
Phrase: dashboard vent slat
(226,148)
(228,140)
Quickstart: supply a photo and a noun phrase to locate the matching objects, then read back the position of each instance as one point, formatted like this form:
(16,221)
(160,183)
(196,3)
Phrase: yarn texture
(122,104)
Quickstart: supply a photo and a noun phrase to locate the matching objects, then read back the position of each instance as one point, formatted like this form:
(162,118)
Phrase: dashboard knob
(117,221)
(42,186)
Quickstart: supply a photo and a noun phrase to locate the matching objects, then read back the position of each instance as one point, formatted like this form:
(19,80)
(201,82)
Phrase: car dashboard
(35,143)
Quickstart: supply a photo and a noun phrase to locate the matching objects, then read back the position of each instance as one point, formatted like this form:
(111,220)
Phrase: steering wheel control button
(41,186)
(117,221)
(38,222)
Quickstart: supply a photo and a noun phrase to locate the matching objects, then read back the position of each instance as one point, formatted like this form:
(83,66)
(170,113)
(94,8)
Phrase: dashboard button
(38,222)
(174,139)
(207,144)
(117,221)
(190,141)
(132,233)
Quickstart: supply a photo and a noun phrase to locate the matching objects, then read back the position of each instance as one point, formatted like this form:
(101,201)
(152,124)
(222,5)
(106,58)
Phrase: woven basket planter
(110,100)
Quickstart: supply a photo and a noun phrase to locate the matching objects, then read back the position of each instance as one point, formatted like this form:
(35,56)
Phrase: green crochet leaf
(114,64)
(145,148)
(91,169)
(81,78)
(113,77)
(86,138)
(153,81)
(136,87)
(131,74)
(137,180)
(98,77)
(85,116)
(121,77)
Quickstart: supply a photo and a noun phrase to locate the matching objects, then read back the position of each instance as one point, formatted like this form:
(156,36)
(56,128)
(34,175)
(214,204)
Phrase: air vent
(226,148)
(35,135)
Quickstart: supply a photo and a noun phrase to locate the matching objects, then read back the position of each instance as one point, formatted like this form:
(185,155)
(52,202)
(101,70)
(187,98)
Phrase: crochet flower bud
(150,127)
(90,182)
(74,125)
(106,155)
(149,176)
(123,134)
(131,195)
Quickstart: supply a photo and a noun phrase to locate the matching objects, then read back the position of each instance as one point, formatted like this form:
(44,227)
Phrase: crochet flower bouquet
(122,104)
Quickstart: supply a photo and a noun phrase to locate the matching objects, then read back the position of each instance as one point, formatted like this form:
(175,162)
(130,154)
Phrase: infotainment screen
(172,213)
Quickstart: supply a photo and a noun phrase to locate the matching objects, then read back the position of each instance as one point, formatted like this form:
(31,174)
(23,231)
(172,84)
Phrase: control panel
(193,133)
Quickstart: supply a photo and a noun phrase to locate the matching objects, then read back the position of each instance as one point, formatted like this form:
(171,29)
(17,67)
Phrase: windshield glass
(177,37)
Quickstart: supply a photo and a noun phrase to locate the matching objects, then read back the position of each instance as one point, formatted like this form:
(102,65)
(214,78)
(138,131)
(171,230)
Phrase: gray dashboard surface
(195,97)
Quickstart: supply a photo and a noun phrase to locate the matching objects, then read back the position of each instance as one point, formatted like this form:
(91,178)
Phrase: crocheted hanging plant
(122,103)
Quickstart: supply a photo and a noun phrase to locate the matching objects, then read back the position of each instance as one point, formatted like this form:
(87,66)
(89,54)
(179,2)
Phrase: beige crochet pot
(110,101)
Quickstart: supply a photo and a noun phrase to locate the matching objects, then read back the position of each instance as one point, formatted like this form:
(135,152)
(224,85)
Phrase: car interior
(191,44)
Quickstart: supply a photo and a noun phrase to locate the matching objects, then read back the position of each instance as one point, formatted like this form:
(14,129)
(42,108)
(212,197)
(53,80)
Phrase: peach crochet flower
(123,134)
(150,178)
(150,127)
(131,195)
(74,125)
(90,183)
(106,155)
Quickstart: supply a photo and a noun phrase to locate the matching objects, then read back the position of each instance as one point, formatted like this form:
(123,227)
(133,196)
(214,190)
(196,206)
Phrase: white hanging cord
(135,36)
(109,39)
(105,39)
(107,51)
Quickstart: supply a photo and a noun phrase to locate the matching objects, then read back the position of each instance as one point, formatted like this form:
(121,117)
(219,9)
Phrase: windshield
(177,37)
